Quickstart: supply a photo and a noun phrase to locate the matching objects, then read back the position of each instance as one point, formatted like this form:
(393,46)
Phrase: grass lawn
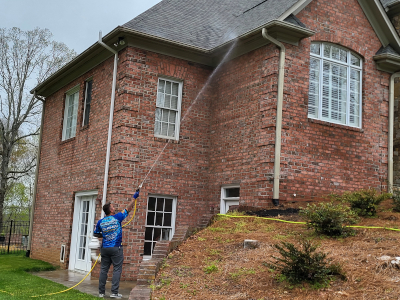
(17,283)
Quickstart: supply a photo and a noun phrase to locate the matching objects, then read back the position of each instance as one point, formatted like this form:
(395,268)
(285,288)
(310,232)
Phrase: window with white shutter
(168,109)
(335,85)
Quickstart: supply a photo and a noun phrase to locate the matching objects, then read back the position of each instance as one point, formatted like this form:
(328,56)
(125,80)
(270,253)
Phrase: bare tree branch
(26,59)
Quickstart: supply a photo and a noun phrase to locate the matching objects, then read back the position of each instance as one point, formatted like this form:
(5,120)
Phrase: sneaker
(101,295)
(117,296)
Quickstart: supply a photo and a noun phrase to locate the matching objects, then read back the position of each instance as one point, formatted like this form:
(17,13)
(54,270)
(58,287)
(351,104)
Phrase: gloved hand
(136,194)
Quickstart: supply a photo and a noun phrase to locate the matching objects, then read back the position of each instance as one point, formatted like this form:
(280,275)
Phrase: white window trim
(224,198)
(178,115)
(348,66)
(67,94)
(173,218)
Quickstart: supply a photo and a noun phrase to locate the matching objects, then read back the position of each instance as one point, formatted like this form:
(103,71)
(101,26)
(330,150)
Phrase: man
(110,229)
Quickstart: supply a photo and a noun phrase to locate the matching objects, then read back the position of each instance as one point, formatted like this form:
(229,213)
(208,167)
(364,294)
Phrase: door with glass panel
(82,232)
(160,222)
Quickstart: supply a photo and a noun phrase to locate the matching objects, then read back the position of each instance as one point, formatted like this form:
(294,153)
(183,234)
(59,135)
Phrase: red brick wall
(338,158)
(227,137)
(182,168)
(78,164)
(317,157)
(69,166)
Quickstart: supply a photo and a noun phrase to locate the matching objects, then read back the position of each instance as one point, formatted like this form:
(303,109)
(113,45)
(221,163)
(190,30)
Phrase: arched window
(335,85)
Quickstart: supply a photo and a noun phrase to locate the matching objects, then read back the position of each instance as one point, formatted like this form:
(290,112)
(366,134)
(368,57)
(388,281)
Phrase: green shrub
(303,264)
(396,200)
(364,202)
(329,218)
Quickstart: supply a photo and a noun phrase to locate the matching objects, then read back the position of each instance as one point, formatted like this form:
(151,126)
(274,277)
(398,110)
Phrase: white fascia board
(380,22)
(295,9)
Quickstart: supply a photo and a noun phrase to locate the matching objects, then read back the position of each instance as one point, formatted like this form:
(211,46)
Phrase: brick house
(204,116)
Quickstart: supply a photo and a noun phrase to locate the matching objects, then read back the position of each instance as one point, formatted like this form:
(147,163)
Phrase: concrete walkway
(88,286)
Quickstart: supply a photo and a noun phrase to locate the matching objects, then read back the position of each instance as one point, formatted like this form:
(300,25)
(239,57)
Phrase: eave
(381,24)
(387,62)
(93,56)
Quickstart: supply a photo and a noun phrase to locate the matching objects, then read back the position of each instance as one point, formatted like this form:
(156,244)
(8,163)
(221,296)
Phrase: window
(88,99)
(335,85)
(70,113)
(230,195)
(160,222)
(168,109)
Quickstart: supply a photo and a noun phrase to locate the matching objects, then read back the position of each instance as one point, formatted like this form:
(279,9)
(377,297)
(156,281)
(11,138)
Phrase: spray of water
(194,101)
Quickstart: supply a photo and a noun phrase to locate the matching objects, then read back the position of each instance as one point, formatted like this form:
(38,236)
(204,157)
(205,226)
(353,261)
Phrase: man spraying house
(109,228)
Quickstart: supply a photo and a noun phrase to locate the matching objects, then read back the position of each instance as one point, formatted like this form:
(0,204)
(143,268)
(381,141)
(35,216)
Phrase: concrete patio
(89,286)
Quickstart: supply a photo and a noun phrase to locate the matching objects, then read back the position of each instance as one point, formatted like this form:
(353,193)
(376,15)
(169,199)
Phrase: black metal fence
(14,236)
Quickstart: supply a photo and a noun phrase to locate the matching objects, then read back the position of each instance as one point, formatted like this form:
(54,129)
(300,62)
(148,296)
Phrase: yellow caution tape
(72,286)
(292,222)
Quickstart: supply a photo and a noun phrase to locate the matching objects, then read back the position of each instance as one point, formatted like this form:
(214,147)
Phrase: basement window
(168,109)
(335,85)
(230,195)
(70,113)
(160,222)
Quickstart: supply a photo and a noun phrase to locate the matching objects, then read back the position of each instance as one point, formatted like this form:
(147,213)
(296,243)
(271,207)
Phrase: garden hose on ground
(134,212)
(292,222)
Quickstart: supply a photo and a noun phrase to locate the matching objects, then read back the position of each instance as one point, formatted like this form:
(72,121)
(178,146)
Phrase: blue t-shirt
(111,229)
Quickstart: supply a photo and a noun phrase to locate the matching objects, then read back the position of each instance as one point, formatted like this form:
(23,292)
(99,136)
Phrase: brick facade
(227,135)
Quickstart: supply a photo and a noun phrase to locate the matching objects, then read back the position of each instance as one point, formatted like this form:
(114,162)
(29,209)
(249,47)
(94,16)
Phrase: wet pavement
(88,286)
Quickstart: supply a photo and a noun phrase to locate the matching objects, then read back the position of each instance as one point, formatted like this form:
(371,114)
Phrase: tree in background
(26,59)
(17,203)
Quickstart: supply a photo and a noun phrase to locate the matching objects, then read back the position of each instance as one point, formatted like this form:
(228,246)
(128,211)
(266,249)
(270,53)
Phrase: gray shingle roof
(207,23)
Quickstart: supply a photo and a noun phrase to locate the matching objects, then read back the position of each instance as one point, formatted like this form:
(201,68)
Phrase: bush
(329,218)
(364,202)
(304,264)
(396,200)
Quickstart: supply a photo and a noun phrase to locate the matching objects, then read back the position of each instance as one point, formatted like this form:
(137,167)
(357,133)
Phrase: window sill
(324,123)
(67,141)
(165,140)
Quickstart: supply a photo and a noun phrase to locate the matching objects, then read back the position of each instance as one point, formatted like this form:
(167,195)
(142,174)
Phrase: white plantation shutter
(334,85)
(313,92)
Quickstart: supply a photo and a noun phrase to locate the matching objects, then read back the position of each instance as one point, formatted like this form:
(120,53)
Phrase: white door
(82,232)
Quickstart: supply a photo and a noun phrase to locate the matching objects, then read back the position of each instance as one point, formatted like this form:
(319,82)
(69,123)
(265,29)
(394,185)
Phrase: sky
(74,22)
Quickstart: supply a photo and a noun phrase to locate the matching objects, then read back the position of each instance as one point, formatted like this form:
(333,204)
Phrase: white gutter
(391,130)
(110,122)
(28,250)
(278,129)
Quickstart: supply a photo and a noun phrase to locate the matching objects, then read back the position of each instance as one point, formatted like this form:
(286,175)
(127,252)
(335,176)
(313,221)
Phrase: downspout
(94,244)
(278,128)
(110,122)
(28,250)
(391,130)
